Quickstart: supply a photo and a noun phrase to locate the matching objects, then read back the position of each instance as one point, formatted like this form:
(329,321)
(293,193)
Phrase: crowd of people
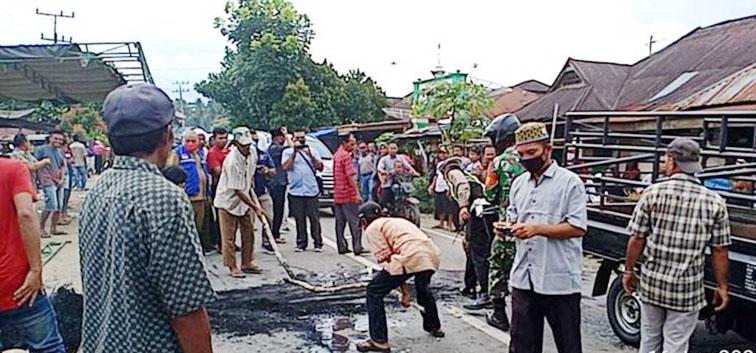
(146,221)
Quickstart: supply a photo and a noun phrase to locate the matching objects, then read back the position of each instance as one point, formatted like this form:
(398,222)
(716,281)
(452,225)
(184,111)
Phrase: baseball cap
(242,135)
(135,109)
(686,154)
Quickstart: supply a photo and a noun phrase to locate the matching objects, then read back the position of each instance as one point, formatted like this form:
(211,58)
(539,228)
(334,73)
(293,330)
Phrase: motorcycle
(405,205)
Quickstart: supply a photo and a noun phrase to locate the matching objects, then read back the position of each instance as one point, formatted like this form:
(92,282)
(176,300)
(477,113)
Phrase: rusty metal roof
(710,66)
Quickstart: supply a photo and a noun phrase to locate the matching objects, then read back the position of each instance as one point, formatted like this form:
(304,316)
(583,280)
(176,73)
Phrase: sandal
(58,232)
(45,235)
(236,273)
(253,269)
(280,241)
(370,346)
(438,226)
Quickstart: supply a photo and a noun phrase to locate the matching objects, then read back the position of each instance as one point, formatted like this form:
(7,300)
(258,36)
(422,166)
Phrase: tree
(84,120)
(271,64)
(465,103)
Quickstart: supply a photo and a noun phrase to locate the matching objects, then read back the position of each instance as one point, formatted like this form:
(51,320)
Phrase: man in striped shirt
(673,223)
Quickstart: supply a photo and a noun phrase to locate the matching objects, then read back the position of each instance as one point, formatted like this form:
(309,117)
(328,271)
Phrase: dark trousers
(210,232)
(304,208)
(562,313)
(470,280)
(278,194)
(481,238)
(382,284)
(347,213)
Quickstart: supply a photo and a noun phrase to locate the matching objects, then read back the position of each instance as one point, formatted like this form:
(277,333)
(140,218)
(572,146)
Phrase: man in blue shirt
(301,164)
(547,214)
(265,170)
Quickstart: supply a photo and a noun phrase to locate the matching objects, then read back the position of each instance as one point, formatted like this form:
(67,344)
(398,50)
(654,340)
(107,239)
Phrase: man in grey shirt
(547,214)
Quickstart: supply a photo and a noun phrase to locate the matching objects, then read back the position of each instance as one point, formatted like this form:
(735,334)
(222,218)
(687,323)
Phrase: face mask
(191,146)
(533,164)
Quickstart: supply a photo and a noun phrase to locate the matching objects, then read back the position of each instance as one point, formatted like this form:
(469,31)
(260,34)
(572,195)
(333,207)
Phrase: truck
(597,145)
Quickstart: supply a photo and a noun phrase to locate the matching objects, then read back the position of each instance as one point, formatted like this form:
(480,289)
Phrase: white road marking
(453,310)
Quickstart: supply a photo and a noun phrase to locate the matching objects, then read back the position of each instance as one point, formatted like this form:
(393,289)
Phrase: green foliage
(84,120)
(270,65)
(465,103)
(421,193)
(44,111)
(386,137)
(202,114)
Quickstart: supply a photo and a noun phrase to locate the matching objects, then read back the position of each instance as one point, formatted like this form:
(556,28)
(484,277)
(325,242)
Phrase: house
(712,67)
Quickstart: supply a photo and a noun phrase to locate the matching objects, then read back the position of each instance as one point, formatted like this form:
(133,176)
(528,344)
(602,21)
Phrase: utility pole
(55,16)
(181,92)
(651,43)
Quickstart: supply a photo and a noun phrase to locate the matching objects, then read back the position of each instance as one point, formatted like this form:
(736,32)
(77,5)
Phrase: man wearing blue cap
(145,284)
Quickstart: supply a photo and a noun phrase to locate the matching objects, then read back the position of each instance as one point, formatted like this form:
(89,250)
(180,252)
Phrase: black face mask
(533,164)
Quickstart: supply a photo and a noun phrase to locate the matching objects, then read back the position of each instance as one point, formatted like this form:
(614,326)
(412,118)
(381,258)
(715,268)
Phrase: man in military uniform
(501,173)
(479,214)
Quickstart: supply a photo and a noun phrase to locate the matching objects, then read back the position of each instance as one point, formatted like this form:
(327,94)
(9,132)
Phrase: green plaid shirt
(678,217)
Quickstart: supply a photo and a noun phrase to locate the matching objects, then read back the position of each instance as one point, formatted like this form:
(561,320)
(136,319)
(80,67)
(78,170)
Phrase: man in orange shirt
(23,303)
(404,251)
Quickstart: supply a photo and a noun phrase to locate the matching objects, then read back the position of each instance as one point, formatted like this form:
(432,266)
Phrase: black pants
(278,194)
(382,284)
(347,213)
(210,232)
(470,280)
(562,313)
(304,208)
(481,238)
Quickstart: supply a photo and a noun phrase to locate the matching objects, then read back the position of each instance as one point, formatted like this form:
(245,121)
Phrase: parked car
(326,198)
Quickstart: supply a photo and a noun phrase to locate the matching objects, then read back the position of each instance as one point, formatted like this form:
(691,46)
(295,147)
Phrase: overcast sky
(510,41)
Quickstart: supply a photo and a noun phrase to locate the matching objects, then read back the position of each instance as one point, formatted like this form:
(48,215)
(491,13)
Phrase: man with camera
(301,164)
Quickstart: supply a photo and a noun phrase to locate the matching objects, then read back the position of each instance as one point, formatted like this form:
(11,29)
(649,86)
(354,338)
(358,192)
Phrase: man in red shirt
(215,157)
(23,303)
(346,196)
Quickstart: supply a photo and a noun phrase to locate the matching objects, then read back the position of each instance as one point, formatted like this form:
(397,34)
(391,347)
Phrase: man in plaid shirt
(671,226)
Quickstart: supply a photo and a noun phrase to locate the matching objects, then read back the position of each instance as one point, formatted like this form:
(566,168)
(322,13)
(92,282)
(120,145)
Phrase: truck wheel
(624,312)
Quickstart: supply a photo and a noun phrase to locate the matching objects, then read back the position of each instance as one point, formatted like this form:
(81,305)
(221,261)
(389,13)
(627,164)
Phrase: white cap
(242,135)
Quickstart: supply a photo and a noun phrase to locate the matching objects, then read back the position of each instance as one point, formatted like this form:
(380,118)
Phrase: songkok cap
(531,132)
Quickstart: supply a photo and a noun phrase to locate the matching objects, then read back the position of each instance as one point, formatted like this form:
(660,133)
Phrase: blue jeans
(365,185)
(81,176)
(36,328)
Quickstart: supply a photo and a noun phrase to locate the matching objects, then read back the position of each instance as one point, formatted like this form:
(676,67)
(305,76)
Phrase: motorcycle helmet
(451,163)
(369,211)
(501,131)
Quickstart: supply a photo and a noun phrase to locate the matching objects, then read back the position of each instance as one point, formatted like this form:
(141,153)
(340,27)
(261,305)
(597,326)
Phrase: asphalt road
(262,313)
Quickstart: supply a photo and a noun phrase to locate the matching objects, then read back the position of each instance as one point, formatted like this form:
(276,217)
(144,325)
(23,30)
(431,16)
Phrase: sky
(393,41)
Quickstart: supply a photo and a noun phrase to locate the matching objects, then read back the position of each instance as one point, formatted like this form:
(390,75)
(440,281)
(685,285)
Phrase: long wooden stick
(290,274)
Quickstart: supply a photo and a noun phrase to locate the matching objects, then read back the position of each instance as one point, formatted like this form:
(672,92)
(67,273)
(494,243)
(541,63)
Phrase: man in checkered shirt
(671,226)
(144,279)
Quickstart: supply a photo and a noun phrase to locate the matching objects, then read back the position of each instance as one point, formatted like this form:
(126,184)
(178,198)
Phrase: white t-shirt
(440,185)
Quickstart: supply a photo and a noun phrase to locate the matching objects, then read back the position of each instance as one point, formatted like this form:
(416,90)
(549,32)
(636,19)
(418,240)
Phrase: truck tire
(624,312)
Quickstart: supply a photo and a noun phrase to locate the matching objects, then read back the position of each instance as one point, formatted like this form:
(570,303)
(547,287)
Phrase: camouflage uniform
(501,173)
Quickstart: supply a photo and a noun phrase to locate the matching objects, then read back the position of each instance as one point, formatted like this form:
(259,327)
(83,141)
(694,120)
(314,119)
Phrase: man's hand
(500,227)
(30,289)
(464,214)
(383,255)
(628,282)
(283,130)
(721,298)
(524,231)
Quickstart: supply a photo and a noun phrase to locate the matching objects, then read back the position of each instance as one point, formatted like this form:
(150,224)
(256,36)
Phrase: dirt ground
(263,313)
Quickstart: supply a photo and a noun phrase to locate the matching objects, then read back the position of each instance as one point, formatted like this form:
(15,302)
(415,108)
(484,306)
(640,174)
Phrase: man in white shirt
(235,199)
(79,156)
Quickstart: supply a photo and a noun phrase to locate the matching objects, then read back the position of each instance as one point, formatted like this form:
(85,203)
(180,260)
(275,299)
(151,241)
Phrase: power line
(55,16)
(181,92)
